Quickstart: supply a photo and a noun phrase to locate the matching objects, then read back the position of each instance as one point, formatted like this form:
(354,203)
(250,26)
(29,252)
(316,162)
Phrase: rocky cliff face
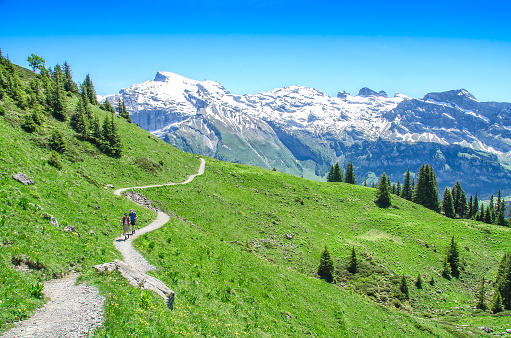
(303,131)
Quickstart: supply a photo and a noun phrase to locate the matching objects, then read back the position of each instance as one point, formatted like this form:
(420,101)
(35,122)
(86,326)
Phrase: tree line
(47,93)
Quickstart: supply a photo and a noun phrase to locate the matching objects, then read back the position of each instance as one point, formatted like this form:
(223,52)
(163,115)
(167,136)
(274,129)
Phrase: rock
(22,178)
(47,216)
(111,186)
(486,329)
(508,330)
(139,279)
(290,236)
(365,92)
(342,94)
(140,200)
(54,222)
(69,228)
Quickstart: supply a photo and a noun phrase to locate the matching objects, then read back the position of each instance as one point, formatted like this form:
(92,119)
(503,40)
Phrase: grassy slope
(255,208)
(75,196)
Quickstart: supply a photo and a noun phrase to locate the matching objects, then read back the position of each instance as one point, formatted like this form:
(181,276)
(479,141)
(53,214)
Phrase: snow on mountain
(303,130)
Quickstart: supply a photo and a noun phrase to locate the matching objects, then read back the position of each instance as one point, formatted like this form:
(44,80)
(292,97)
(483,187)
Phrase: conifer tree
(57,141)
(95,131)
(326,266)
(330,176)
(453,258)
(488,216)
(482,215)
(447,204)
(365,183)
(383,198)
(426,191)
(475,206)
(106,106)
(480,296)
(114,140)
(496,305)
(492,210)
(69,85)
(393,188)
(398,188)
(403,287)
(91,92)
(349,176)
(406,191)
(418,282)
(501,220)
(470,208)
(337,176)
(459,200)
(353,264)
(503,281)
(57,98)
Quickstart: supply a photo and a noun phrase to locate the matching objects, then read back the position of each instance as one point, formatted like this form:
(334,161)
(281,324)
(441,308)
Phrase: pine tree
(453,258)
(106,134)
(459,200)
(57,141)
(393,188)
(406,191)
(95,131)
(330,176)
(503,281)
(106,106)
(326,266)
(398,188)
(69,85)
(353,264)
(470,208)
(383,198)
(91,93)
(426,191)
(447,204)
(475,206)
(492,211)
(365,183)
(80,122)
(114,140)
(480,296)
(349,176)
(403,287)
(482,216)
(496,305)
(57,98)
(125,113)
(337,176)
(418,282)
(501,220)
(488,216)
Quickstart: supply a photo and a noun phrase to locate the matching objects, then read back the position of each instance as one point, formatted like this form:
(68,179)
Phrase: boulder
(139,279)
(22,178)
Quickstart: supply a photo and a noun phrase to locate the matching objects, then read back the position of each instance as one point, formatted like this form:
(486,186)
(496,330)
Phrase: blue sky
(250,46)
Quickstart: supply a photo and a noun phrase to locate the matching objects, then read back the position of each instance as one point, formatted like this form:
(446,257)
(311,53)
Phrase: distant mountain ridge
(303,131)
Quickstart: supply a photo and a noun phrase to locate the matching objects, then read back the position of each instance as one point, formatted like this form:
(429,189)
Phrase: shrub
(148,164)
(353,265)
(55,160)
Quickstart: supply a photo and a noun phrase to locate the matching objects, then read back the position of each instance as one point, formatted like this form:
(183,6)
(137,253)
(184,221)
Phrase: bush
(57,141)
(55,160)
(148,164)
(2,111)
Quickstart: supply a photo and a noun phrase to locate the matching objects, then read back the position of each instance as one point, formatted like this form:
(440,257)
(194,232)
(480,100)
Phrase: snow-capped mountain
(303,131)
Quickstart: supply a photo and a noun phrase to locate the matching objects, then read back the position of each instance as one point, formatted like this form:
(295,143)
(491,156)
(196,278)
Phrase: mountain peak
(457,96)
(171,77)
(364,92)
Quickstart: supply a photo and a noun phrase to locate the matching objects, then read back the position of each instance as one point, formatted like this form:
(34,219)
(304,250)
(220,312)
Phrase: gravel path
(132,256)
(77,310)
(73,311)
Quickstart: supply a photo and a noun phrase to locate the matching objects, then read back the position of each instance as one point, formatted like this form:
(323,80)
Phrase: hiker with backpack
(125,225)
(133,219)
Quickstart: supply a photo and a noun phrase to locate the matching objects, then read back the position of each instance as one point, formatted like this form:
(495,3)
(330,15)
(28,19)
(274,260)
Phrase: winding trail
(131,256)
(76,310)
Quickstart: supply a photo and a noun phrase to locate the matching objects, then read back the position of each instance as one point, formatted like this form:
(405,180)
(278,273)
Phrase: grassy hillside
(244,263)
(34,250)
